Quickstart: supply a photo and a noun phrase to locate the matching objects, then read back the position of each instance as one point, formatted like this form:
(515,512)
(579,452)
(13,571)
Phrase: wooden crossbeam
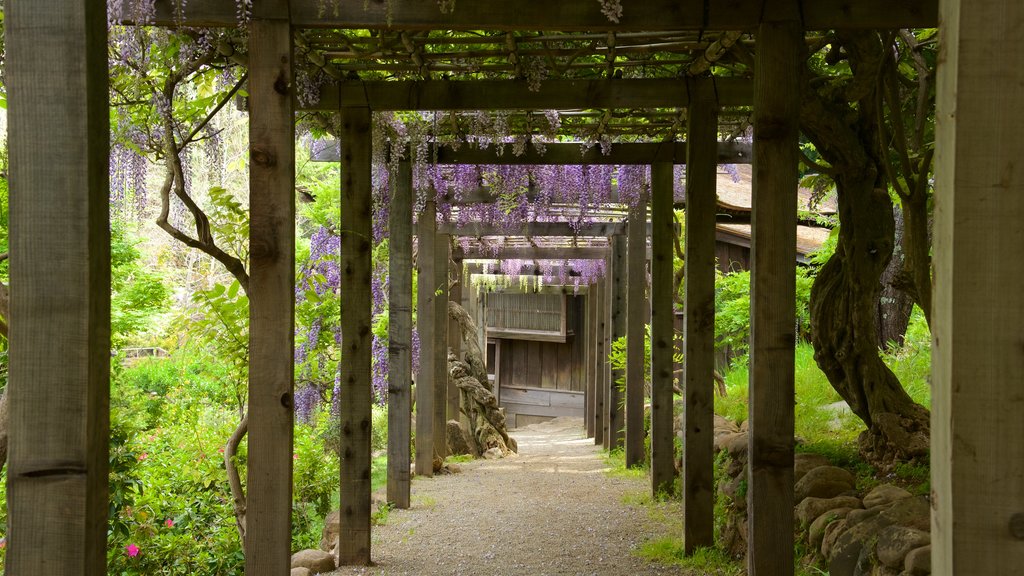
(563,15)
(533,253)
(548,229)
(383,95)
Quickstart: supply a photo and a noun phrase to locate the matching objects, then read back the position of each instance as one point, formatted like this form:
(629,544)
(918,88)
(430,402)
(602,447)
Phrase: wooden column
(663,468)
(777,68)
(400,336)
(356,391)
(271,292)
(699,322)
(600,358)
(590,368)
(636,319)
(613,400)
(455,335)
(442,250)
(426,320)
(59,383)
(978,352)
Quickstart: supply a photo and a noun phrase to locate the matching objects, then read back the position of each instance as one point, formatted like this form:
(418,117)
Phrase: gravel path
(550,510)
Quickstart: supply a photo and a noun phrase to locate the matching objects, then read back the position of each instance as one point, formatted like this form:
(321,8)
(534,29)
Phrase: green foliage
(707,561)
(137,294)
(732,308)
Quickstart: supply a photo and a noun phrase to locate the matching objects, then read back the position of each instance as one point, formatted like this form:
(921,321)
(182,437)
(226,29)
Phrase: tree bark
(845,293)
(894,304)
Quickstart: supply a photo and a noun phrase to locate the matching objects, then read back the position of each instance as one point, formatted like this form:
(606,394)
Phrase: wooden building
(56,70)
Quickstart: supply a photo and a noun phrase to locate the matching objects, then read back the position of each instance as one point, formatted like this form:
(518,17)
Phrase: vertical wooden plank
(532,363)
(699,322)
(663,468)
(356,390)
(614,401)
(636,318)
(426,321)
(589,361)
(978,359)
(400,336)
(773,290)
(60,267)
(455,336)
(549,367)
(600,358)
(271,292)
(442,250)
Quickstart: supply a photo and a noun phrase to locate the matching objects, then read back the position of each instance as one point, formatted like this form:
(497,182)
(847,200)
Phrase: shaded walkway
(550,510)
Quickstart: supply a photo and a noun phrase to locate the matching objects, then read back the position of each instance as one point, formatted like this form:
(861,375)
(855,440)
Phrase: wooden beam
(563,154)
(59,383)
(589,364)
(442,248)
(636,319)
(579,15)
(533,253)
(977,481)
(271,293)
(356,328)
(533,288)
(560,94)
(529,269)
(777,66)
(600,358)
(457,281)
(400,336)
(538,229)
(426,326)
(663,468)
(614,412)
(699,330)
(559,154)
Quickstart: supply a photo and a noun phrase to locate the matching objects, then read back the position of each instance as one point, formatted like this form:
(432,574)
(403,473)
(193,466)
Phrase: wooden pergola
(59,144)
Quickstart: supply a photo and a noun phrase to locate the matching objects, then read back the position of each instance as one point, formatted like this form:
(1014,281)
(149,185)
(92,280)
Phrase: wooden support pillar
(615,411)
(271,292)
(356,328)
(663,469)
(59,387)
(636,319)
(590,368)
(978,398)
(600,358)
(778,64)
(442,250)
(400,336)
(699,327)
(455,335)
(426,321)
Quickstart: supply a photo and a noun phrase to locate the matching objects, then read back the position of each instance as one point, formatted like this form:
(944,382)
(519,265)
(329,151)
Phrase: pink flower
(143,456)
(3,543)
(169,523)
(132,550)
(295,456)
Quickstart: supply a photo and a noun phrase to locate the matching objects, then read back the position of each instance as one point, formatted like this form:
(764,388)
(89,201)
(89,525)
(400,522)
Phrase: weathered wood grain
(426,327)
(773,294)
(441,258)
(615,411)
(663,468)
(636,320)
(977,426)
(271,295)
(56,75)
(356,328)
(400,336)
(699,327)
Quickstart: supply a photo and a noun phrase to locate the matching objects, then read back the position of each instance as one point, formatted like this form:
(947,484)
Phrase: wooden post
(777,75)
(356,390)
(442,250)
(613,400)
(400,336)
(60,299)
(455,336)
(271,292)
(699,327)
(600,357)
(977,449)
(589,363)
(636,319)
(426,320)
(663,468)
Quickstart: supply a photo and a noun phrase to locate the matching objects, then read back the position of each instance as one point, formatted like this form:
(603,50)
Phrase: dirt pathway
(550,510)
